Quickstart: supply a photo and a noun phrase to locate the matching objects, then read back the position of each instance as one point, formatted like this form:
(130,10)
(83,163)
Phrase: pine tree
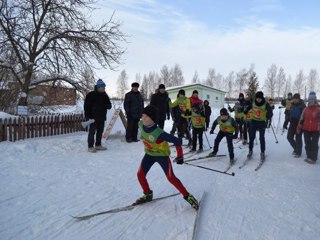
(253,85)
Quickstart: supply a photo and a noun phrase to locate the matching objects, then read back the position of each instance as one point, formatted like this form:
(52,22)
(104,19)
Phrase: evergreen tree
(253,85)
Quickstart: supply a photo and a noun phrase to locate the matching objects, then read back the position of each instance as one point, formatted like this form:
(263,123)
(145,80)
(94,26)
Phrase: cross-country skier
(238,115)
(271,103)
(157,151)
(287,103)
(228,129)
(261,112)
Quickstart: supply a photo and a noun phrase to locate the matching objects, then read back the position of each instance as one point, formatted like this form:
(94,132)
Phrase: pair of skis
(261,161)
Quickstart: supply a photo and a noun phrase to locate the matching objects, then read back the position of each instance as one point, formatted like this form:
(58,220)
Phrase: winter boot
(147,197)
(200,150)
(100,148)
(244,142)
(212,154)
(92,150)
(309,160)
(192,150)
(232,161)
(249,154)
(192,201)
(262,156)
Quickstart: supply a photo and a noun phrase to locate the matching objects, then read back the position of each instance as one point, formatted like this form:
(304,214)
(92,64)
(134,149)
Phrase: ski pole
(210,169)
(207,139)
(274,134)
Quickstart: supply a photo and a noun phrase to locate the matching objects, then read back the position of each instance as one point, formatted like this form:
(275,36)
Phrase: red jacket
(194,100)
(310,118)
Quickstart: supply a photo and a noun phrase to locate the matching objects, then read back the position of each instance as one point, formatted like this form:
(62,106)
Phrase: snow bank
(6,115)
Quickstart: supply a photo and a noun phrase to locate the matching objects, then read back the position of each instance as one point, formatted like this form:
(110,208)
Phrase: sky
(227,35)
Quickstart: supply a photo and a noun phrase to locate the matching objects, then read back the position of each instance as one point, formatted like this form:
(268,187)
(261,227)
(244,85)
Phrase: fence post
(15,129)
(2,129)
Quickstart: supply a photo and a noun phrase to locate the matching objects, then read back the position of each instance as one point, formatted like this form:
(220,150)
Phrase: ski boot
(100,148)
(92,150)
(232,161)
(244,142)
(200,150)
(212,154)
(147,197)
(262,156)
(192,201)
(249,155)
(309,160)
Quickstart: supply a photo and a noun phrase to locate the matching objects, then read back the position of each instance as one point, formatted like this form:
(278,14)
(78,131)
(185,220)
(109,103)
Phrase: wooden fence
(14,129)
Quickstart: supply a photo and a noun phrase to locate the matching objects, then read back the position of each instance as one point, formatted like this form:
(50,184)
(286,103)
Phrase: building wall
(215,98)
(47,95)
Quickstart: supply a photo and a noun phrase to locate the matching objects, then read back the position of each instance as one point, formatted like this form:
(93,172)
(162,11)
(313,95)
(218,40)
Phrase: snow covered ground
(45,180)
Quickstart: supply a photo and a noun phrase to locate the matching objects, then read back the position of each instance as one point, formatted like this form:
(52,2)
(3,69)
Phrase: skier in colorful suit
(228,129)
(157,150)
(261,112)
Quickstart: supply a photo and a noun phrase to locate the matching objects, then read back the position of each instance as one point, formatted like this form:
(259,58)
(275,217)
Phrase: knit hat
(224,111)
(290,94)
(259,95)
(100,84)
(196,105)
(296,96)
(241,95)
(182,92)
(135,84)
(161,86)
(195,91)
(151,111)
(312,96)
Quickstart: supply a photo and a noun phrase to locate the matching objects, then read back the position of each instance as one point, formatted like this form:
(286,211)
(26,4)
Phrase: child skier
(157,150)
(261,112)
(207,111)
(228,126)
(271,103)
(198,124)
(310,124)
(185,109)
(246,121)
(238,114)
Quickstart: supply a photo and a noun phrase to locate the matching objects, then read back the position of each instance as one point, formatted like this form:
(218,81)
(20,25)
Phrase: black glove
(168,117)
(211,131)
(188,113)
(179,160)
(235,136)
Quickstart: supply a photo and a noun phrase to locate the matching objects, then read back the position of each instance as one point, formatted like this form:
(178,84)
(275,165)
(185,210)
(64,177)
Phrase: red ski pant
(166,166)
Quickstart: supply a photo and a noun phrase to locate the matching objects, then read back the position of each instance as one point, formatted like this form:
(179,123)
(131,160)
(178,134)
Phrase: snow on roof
(193,85)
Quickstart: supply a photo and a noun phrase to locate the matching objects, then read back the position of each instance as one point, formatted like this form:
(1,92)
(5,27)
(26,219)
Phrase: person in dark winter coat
(228,129)
(287,103)
(95,107)
(161,101)
(261,112)
(295,138)
(133,106)
(271,103)
(310,125)
(207,111)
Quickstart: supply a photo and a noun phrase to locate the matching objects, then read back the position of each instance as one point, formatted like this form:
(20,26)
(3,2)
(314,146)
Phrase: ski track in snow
(45,180)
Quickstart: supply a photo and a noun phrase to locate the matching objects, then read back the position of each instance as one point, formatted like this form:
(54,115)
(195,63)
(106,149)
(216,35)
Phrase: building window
(208,96)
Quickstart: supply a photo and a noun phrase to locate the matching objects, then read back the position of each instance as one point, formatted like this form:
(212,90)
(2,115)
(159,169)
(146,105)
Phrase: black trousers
(132,129)
(311,140)
(246,129)
(261,127)
(287,118)
(294,138)
(218,139)
(95,128)
(240,124)
(183,129)
(197,133)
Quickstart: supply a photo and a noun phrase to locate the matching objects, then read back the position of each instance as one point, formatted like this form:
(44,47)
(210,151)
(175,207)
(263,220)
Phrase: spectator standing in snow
(294,136)
(161,101)
(95,107)
(310,125)
(133,106)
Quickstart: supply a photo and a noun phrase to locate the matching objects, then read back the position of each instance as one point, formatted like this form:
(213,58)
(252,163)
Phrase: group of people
(251,115)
